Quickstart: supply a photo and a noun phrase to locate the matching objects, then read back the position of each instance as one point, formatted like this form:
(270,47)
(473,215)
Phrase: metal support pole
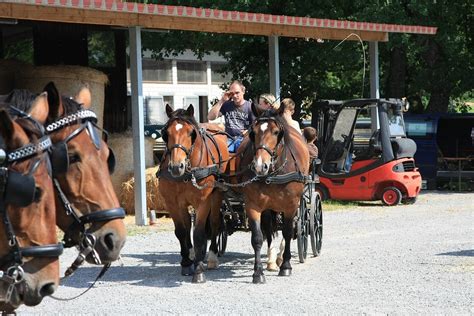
(274,62)
(374,70)
(374,82)
(138,125)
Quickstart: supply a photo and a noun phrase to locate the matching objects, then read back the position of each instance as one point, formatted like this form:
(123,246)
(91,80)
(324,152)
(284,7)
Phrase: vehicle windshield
(396,124)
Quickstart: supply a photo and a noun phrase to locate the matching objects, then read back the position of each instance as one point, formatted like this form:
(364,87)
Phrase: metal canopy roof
(126,14)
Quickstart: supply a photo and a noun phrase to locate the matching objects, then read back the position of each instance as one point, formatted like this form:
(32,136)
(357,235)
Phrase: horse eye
(38,194)
(74,158)
(276,133)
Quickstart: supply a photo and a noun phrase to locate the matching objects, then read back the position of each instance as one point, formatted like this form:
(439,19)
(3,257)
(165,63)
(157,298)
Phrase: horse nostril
(47,289)
(265,166)
(181,166)
(109,241)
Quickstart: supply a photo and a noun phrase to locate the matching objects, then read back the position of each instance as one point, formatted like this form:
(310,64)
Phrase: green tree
(435,68)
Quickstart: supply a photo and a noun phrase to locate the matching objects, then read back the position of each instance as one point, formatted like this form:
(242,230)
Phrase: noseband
(20,190)
(59,155)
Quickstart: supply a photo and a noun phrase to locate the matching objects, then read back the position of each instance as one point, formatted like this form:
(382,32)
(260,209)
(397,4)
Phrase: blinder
(20,189)
(60,156)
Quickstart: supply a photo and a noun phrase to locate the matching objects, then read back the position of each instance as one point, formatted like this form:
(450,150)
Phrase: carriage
(308,222)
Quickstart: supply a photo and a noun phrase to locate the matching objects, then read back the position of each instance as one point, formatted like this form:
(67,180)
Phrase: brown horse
(28,244)
(187,176)
(279,161)
(88,209)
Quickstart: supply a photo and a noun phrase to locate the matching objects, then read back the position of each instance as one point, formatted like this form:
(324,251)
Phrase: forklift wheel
(391,196)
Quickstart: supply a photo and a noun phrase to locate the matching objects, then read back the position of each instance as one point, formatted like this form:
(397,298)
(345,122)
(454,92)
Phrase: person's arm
(215,111)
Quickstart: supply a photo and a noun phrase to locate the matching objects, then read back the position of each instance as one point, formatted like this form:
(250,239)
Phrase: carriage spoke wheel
(222,237)
(302,230)
(391,196)
(222,242)
(316,223)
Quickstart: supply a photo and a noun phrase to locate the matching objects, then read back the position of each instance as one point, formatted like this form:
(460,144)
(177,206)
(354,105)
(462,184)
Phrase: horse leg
(200,241)
(215,221)
(182,232)
(279,259)
(285,268)
(257,241)
(267,231)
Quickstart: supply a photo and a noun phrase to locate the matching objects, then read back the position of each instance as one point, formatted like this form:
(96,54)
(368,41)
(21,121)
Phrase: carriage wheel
(391,196)
(221,243)
(302,229)
(316,224)
(222,237)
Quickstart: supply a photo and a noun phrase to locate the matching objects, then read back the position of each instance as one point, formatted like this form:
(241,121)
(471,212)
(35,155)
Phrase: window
(191,72)
(217,76)
(157,70)
(155,112)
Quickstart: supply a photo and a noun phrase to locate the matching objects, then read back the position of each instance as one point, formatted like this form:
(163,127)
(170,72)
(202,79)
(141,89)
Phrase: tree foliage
(437,69)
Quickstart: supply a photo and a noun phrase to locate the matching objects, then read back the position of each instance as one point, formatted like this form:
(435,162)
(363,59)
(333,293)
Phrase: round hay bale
(69,80)
(8,68)
(122,145)
(154,199)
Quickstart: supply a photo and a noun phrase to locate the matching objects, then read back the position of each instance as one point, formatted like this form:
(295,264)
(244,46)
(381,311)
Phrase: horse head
(266,135)
(179,134)
(28,244)
(88,212)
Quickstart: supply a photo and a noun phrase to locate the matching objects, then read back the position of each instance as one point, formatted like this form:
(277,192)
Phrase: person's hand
(227,96)
(245,132)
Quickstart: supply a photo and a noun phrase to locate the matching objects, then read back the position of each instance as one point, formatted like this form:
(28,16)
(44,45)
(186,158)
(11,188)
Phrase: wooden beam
(127,19)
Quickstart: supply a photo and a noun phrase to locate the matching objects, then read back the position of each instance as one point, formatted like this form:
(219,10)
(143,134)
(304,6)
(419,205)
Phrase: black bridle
(20,190)
(272,152)
(60,162)
(187,151)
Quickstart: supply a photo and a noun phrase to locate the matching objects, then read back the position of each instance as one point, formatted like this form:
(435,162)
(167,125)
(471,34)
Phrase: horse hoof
(272,267)
(285,272)
(189,270)
(212,265)
(258,279)
(199,278)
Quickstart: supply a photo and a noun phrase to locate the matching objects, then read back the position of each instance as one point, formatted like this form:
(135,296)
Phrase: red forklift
(365,154)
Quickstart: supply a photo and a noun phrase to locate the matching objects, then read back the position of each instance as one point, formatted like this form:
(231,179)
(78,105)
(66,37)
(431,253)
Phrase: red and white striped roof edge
(223,15)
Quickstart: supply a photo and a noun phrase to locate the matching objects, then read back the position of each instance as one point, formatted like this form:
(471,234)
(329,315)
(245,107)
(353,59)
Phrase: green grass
(331,205)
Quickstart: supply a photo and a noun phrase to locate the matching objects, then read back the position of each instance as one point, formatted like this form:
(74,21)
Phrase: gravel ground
(410,259)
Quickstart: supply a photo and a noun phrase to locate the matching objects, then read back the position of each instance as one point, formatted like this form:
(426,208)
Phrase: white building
(180,81)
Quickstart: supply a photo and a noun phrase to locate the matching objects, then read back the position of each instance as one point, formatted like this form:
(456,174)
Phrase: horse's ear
(54,101)
(169,110)
(190,110)
(40,109)
(255,110)
(84,97)
(6,125)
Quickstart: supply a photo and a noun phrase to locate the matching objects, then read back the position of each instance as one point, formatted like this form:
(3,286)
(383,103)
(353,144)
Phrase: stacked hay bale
(154,199)
(69,80)
(122,145)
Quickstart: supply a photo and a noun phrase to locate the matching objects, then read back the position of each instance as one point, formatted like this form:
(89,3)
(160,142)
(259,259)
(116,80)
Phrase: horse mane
(70,105)
(22,100)
(181,114)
